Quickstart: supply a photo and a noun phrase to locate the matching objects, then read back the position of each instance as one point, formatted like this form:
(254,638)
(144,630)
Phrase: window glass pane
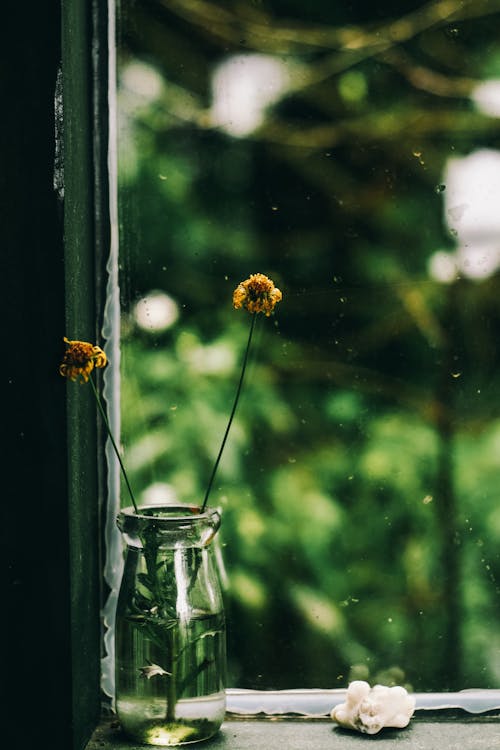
(351,154)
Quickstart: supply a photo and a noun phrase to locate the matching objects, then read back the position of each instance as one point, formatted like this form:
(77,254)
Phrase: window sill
(464,733)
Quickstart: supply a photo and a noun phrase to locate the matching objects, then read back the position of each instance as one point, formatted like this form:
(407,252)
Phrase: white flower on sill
(152,670)
(369,710)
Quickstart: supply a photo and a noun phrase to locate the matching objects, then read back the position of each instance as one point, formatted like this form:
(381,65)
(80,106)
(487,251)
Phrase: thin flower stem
(108,428)
(235,404)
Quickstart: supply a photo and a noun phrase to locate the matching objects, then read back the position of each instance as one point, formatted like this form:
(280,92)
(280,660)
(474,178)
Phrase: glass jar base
(174,733)
(196,719)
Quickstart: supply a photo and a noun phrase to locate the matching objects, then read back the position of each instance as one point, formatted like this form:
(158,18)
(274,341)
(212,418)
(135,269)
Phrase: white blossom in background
(472,216)
(486,97)
(443,267)
(159,493)
(140,86)
(156,312)
(472,196)
(243,87)
(142,83)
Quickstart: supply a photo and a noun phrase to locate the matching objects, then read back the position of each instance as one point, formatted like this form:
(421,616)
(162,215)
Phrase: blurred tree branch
(426,79)
(261,32)
(246,26)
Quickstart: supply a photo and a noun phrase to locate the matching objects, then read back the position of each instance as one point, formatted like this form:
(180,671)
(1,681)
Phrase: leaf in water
(153,670)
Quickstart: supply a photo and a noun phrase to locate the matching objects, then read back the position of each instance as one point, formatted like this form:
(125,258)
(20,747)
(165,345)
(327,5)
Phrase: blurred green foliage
(359,485)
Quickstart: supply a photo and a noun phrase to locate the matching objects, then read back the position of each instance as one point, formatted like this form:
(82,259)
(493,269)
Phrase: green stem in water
(235,404)
(108,428)
(173,636)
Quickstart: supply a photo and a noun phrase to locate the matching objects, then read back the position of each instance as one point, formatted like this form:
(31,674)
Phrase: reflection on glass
(352,155)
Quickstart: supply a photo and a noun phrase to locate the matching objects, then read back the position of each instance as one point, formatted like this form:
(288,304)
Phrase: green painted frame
(86,234)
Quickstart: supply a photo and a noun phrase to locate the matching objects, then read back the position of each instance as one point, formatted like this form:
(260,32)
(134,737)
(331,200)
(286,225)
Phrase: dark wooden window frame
(54,234)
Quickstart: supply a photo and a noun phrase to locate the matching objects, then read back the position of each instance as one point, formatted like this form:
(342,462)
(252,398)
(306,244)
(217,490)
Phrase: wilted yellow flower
(80,358)
(257,294)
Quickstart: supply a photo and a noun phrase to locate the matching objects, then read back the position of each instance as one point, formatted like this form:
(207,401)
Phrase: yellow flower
(80,358)
(257,294)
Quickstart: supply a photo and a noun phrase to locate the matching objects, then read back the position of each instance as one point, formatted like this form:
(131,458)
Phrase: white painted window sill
(299,720)
(286,734)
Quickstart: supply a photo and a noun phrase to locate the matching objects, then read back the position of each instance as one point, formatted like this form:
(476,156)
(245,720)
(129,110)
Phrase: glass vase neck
(171,526)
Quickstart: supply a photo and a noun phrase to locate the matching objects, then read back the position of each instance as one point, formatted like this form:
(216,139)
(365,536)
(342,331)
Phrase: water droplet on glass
(455,374)
(418,155)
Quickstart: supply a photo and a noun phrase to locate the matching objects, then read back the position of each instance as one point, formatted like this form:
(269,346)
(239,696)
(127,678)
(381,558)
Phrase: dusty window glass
(352,154)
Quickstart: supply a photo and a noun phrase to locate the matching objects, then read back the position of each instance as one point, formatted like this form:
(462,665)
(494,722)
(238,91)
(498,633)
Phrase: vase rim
(173,524)
(176,512)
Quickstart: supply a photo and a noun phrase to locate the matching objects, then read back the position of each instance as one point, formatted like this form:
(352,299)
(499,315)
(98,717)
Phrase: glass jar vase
(170,628)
